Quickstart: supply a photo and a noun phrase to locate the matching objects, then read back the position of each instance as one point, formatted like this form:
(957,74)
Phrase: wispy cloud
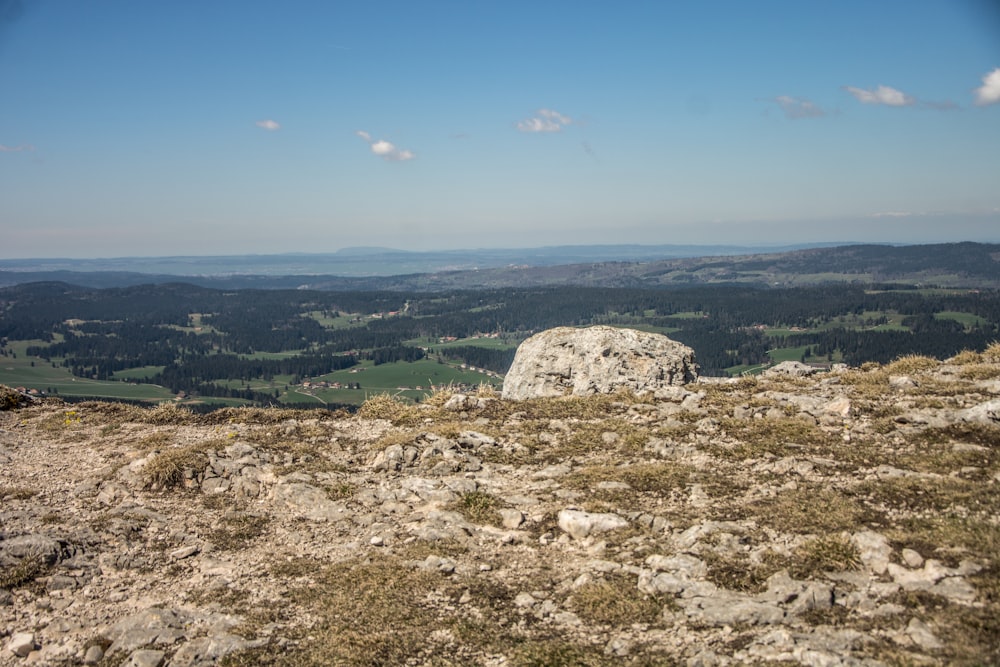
(546,120)
(386,150)
(884,95)
(989,92)
(894,214)
(16,149)
(269,125)
(798,107)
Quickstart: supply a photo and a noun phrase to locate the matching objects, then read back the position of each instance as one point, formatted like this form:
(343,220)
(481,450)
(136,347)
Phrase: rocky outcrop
(597,360)
(836,520)
(792,368)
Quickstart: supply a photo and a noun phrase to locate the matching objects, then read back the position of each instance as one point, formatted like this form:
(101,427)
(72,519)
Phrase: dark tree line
(101,332)
(492,359)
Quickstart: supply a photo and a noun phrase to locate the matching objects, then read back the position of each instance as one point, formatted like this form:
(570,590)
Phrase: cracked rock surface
(835,518)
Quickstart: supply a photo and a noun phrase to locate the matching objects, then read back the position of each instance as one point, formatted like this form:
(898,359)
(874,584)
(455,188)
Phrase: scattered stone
(874,550)
(722,610)
(902,382)
(43,548)
(91,558)
(922,635)
(912,558)
(145,658)
(511,518)
(185,552)
(21,644)
(209,650)
(308,502)
(791,368)
(580,524)
(93,655)
(984,413)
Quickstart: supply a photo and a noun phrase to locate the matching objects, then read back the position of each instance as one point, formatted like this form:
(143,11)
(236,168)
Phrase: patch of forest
(200,340)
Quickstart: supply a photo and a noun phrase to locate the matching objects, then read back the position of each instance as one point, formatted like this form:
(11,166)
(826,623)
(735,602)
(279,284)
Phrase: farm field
(398,378)
(25,371)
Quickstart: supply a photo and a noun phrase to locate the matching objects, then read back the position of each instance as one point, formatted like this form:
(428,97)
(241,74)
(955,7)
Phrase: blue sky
(134,128)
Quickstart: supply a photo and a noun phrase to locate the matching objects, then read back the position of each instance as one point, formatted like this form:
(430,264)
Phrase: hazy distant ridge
(975,265)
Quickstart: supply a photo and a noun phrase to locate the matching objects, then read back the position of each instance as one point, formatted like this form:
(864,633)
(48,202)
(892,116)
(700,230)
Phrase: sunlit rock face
(597,360)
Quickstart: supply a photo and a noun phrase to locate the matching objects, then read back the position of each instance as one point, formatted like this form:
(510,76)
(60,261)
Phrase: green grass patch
(342,321)
(411,380)
(475,341)
(37,373)
(968,320)
(140,373)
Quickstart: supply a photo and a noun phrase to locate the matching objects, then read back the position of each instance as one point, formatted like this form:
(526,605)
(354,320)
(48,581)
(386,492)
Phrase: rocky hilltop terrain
(839,518)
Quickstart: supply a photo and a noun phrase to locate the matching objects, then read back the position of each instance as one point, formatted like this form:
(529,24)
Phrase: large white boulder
(597,360)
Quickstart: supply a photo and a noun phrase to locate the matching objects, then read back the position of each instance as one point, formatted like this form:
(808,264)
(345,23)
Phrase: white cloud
(16,149)
(894,214)
(547,120)
(269,125)
(989,92)
(386,150)
(554,116)
(882,95)
(796,107)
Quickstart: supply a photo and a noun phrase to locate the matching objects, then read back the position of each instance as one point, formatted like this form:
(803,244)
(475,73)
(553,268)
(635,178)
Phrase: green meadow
(33,372)
(399,378)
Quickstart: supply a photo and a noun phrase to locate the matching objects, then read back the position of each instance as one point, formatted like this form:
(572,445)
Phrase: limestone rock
(874,550)
(984,413)
(32,546)
(209,650)
(792,368)
(21,644)
(582,524)
(922,635)
(145,658)
(597,360)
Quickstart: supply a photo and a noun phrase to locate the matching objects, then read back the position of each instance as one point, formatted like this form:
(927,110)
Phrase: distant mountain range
(949,265)
(373,261)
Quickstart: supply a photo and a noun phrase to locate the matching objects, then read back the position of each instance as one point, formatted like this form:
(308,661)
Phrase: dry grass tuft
(760,437)
(236,531)
(980,372)
(168,469)
(367,614)
(557,653)
(808,509)
(992,352)
(392,409)
(167,414)
(616,602)
(738,572)
(828,553)
(23,572)
(9,399)
(660,479)
(17,492)
(478,507)
(966,357)
(911,364)
(269,416)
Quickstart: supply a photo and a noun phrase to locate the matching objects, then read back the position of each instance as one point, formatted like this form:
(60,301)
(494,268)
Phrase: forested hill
(971,265)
